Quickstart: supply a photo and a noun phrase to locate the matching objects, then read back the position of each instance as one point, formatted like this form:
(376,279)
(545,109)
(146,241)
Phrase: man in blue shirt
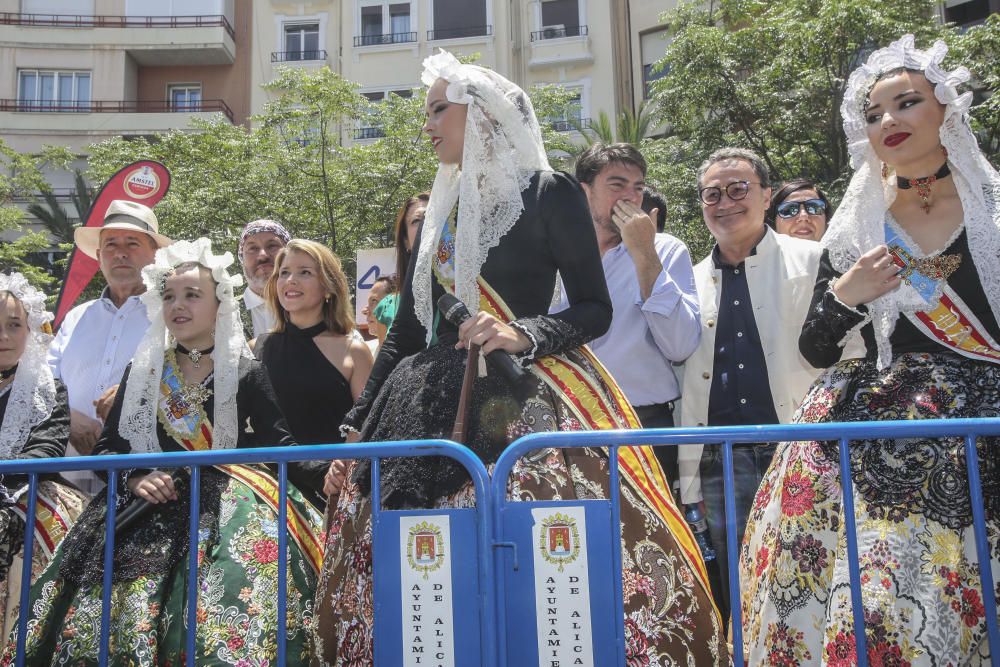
(651,282)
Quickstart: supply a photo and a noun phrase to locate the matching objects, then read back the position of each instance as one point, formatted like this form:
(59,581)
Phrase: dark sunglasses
(790,209)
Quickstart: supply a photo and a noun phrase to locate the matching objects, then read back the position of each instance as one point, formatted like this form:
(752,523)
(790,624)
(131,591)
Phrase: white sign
(562,587)
(425,565)
(372,264)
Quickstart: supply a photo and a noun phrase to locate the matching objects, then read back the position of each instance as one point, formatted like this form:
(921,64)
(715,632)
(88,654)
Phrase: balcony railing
(369,133)
(557,32)
(391,38)
(563,125)
(455,33)
(78,21)
(116,106)
(293,56)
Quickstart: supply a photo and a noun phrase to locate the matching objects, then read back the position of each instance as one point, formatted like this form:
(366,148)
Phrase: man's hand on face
(637,229)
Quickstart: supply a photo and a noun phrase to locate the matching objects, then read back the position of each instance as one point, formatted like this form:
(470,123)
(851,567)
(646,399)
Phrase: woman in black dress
(34,413)
(497,231)
(316,366)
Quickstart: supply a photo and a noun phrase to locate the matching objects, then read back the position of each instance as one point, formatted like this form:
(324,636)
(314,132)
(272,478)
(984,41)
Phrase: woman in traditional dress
(912,259)
(317,368)
(34,412)
(499,225)
(203,392)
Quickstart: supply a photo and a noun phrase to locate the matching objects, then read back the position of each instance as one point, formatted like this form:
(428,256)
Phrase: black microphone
(455,312)
(138,509)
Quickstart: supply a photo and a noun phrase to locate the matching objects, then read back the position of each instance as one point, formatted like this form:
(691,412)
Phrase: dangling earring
(885,171)
(212,334)
(171,341)
(945,151)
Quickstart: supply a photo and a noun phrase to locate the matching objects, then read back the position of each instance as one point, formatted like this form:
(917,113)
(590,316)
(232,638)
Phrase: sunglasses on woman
(790,209)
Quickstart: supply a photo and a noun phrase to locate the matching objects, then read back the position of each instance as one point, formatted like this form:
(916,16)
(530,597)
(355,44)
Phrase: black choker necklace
(309,332)
(194,354)
(8,373)
(923,185)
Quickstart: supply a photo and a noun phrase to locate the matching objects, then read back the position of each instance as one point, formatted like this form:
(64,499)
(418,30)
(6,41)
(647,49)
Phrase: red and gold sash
(599,404)
(51,525)
(953,324)
(191,430)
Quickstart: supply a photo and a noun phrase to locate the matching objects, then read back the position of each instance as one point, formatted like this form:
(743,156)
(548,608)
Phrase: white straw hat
(122,214)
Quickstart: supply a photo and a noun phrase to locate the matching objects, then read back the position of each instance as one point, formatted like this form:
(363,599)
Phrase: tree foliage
(22,176)
(769,75)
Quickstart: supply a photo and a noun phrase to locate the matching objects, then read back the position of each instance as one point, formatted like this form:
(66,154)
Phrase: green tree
(55,218)
(770,76)
(22,176)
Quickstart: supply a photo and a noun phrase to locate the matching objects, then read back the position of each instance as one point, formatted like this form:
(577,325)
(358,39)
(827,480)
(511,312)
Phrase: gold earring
(885,171)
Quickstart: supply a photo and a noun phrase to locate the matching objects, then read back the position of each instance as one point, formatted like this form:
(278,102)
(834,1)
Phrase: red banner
(145,182)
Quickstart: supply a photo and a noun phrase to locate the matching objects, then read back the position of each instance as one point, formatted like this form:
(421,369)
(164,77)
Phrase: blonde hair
(336,310)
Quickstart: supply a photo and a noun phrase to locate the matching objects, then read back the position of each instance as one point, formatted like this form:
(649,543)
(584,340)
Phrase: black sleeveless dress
(314,396)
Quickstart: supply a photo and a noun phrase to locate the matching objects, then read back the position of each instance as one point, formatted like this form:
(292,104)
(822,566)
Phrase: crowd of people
(887,308)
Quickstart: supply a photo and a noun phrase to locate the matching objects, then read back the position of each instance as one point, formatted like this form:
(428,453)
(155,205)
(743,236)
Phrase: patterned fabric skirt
(670,618)
(69,503)
(921,593)
(237,592)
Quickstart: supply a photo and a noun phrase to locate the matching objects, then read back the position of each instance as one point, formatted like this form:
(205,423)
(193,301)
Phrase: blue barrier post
(29,552)
(193,535)
(732,551)
(853,561)
(109,559)
(982,548)
(282,562)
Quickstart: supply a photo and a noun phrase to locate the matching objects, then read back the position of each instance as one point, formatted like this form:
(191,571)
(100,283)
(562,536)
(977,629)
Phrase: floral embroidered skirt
(69,502)
(921,593)
(670,618)
(237,612)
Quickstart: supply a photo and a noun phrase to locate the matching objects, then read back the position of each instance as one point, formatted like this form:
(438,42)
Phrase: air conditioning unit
(553,31)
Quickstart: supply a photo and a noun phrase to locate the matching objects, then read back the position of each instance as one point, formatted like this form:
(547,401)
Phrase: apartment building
(74,72)
(602,50)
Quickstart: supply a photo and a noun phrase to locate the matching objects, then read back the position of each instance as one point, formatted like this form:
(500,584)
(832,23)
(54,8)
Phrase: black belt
(647,411)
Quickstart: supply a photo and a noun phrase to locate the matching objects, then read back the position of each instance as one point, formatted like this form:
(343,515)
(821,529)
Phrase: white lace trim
(858,224)
(503,149)
(526,358)
(138,420)
(33,391)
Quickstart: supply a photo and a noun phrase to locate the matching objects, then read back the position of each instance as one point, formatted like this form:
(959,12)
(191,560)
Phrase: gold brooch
(938,268)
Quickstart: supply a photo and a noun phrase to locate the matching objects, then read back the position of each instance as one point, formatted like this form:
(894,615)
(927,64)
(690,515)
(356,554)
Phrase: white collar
(252,299)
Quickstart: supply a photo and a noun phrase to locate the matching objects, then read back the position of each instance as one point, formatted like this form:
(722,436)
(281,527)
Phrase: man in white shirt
(260,243)
(97,339)
(651,281)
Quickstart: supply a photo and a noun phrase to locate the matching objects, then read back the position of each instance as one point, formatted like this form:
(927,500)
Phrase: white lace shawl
(142,393)
(503,149)
(858,224)
(33,391)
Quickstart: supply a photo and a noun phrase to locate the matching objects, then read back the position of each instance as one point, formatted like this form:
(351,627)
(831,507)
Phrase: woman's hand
(156,487)
(491,334)
(874,274)
(335,477)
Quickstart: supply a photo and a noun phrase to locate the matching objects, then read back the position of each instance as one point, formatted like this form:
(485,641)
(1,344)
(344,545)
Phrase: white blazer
(781,276)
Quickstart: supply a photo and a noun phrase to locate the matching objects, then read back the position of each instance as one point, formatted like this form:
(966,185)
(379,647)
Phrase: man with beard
(98,338)
(260,243)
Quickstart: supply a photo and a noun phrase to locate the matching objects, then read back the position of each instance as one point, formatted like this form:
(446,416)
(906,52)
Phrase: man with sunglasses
(754,290)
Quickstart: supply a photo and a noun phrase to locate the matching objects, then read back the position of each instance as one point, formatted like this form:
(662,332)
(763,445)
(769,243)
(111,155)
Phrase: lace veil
(33,392)
(142,393)
(858,224)
(503,149)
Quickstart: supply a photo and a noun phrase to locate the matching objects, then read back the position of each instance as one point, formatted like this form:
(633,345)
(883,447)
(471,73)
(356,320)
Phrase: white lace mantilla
(503,149)
(33,391)
(858,224)
(138,420)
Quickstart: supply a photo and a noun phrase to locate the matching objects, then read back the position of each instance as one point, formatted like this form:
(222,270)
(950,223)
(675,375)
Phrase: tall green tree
(769,75)
(22,176)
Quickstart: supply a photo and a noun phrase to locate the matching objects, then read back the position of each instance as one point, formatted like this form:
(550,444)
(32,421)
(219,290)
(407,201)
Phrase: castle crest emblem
(559,540)
(425,548)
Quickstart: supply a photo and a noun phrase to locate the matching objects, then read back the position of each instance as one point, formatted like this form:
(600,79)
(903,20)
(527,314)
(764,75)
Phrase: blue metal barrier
(499,524)
(480,523)
(726,437)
